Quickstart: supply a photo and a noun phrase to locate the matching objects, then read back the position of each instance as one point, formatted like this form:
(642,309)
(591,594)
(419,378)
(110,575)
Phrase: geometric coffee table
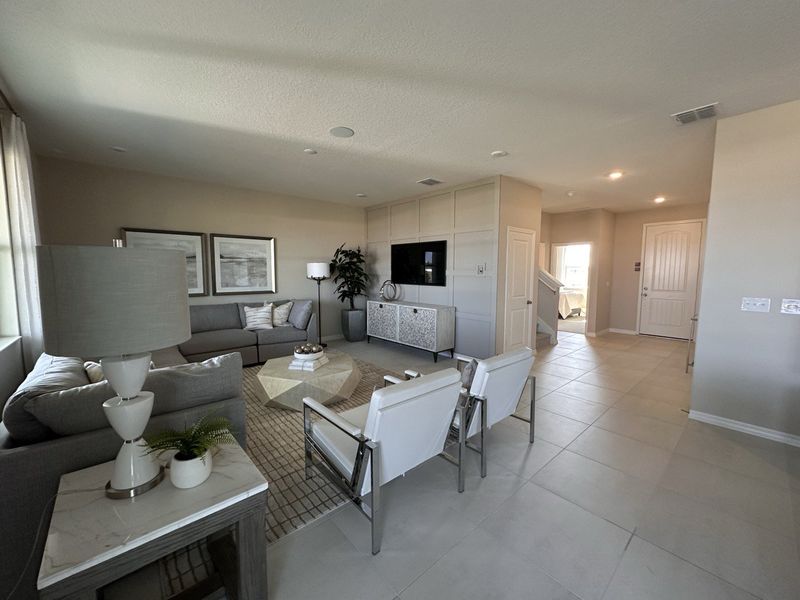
(330,383)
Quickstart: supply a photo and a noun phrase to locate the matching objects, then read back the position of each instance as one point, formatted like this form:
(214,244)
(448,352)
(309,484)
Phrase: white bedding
(569,300)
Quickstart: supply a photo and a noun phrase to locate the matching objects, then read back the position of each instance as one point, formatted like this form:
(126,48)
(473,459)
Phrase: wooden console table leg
(252,554)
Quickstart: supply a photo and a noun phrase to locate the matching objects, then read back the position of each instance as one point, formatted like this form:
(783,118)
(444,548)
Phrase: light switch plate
(790,306)
(480,269)
(756,304)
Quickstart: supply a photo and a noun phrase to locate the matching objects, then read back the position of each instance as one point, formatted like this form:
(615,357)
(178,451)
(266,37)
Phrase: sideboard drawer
(417,327)
(382,320)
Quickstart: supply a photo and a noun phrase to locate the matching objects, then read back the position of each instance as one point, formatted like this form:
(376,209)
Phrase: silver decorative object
(388,291)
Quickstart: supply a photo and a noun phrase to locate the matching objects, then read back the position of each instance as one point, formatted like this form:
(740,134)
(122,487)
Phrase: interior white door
(670,278)
(520,245)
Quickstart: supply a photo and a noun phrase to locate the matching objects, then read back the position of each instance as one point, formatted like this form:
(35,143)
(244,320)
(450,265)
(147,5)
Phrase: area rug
(275,445)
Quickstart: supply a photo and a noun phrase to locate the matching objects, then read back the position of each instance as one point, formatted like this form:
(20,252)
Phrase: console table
(94,540)
(427,326)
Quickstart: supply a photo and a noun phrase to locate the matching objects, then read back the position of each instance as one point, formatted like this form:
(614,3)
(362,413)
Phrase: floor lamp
(319,272)
(118,304)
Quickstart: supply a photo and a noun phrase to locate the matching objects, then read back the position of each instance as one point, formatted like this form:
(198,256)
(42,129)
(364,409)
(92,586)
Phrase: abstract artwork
(191,243)
(242,264)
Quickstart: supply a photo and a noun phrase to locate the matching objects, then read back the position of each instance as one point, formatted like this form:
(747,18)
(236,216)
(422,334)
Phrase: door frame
(703,222)
(531,285)
(589,286)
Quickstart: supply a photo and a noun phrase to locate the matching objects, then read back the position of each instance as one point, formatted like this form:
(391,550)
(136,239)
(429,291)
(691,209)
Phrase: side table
(94,540)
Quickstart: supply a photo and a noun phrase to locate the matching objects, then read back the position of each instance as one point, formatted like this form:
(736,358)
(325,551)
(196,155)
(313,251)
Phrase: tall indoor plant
(351,280)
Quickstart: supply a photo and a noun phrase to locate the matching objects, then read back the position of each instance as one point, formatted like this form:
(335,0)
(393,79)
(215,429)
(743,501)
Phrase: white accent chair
(366,447)
(494,394)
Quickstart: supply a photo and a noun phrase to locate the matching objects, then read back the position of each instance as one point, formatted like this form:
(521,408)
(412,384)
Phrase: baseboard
(756,430)
(593,334)
(623,331)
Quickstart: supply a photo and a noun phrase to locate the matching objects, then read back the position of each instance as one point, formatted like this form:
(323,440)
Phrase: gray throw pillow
(300,314)
(468,373)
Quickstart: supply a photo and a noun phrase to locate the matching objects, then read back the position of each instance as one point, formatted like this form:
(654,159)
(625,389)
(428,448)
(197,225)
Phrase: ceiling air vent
(695,114)
(429,181)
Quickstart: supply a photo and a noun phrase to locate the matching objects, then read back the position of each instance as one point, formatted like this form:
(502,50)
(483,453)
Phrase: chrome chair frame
(367,449)
(469,406)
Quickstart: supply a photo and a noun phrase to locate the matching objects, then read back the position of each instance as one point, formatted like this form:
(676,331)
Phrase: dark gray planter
(354,324)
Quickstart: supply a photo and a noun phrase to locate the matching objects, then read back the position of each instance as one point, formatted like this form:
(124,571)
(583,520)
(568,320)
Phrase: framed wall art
(242,264)
(193,245)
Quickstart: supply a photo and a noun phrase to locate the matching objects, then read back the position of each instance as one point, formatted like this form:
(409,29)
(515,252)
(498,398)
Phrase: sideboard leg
(435,357)
(368,339)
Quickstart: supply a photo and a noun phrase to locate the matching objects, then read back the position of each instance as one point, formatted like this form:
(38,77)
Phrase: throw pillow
(300,314)
(468,373)
(259,317)
(280,314)
(94,371)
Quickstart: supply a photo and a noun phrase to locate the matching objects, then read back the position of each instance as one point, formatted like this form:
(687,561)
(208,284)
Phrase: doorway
(570,265)
(671,258)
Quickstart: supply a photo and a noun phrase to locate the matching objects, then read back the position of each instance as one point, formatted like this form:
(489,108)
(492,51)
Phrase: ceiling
(232,92)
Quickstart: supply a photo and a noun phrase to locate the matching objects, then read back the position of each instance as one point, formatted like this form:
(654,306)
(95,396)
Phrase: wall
(628,250)
(520,206)
(544,242)
(87,204)
(466,217)
(595,227)
(12,370)
(748,364)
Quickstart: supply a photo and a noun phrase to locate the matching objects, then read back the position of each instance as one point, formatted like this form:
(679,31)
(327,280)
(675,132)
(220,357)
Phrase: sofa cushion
(221,339)
(57,398)
(50,375)
(258,317)
(280,314)
(300,314)
(210,317)
(281,334)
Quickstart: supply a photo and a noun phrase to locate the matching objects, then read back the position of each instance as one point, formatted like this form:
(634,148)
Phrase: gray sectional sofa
(54,424)
(219,329)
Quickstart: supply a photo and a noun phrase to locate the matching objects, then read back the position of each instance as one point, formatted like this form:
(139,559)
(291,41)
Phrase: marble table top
(87,528)
(330,383)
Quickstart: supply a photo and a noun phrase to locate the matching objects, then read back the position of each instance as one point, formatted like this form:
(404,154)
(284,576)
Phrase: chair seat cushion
(221,339)
(276,335)
(339,447)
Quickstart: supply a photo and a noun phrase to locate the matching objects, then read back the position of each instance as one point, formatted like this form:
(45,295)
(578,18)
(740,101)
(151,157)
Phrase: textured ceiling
(233,91)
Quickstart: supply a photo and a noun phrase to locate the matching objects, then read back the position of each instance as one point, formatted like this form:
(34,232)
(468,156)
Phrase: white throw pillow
(280,314)
(94,371)
(258,317)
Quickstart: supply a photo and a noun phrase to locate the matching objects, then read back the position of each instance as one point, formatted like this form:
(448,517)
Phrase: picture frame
(191,242)
(242,264)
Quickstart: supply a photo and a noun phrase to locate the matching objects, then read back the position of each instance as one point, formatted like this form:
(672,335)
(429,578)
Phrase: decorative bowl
(313,356)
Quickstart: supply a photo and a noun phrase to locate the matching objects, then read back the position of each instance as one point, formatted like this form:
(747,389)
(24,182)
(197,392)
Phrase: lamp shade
(100,301)
(319,270)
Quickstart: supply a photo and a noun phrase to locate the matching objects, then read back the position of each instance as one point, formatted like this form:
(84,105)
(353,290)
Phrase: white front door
(520,245)
(670,278)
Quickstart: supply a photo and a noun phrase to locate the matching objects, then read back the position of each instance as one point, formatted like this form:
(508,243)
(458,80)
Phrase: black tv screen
(423,263)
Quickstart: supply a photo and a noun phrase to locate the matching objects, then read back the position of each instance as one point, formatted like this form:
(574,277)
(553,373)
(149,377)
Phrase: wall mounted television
(422,263)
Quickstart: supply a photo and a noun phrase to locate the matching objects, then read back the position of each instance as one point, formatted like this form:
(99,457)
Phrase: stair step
(542,340)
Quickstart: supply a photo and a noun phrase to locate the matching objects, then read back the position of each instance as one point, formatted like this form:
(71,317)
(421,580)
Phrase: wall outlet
(790,306)
(756,304)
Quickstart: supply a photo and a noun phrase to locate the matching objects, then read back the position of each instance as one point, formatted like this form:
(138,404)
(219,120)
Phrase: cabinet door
(382,320)
(418,327)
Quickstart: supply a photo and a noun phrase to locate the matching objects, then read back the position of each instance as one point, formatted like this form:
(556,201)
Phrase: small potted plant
(191,464)
(351,279)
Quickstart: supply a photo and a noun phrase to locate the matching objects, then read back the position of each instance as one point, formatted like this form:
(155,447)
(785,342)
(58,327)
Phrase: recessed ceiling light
(571,193)
(499,154)
(659,199)
(118,149)
(614,175)
(309,151)
(359,195)
(342,132)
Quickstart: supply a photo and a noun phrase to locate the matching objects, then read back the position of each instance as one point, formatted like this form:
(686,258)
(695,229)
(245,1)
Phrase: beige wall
(748,364)
(86,204)
(597,228)
(628,250)
(544,238)
(520,206)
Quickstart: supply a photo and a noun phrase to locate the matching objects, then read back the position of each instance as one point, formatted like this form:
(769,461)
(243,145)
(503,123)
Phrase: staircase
(547,319)
(543,340)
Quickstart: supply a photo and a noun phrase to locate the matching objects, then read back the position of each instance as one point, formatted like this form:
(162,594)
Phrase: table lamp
(319,272)
(117,304)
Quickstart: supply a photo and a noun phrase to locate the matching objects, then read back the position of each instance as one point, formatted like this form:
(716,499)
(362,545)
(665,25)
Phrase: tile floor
(620,497)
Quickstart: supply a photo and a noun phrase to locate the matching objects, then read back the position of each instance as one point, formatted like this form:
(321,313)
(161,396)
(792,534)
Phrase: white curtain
(24,228)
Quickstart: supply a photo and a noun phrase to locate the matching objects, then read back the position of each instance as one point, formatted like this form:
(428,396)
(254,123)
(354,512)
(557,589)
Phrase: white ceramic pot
(190,473)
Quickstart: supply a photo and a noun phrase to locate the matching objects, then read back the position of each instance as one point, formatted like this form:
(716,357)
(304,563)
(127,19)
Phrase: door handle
(529,302)
(644,294)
